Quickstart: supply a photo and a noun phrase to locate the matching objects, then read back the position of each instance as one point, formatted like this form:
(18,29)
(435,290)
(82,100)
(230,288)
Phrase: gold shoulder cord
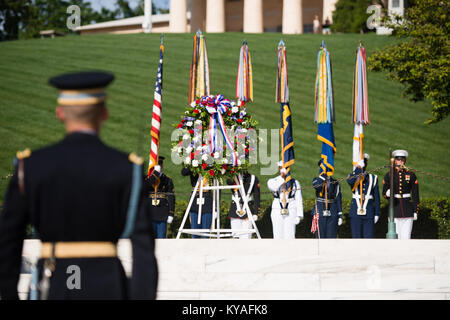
(21,155)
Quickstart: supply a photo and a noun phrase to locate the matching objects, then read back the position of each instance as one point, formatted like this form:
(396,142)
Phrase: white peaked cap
(400,153)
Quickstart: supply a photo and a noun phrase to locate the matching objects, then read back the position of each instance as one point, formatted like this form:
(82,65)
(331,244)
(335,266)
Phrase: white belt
(400,196)
(357,196)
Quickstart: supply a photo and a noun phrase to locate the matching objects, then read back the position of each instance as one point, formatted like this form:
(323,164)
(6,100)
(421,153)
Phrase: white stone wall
(295,269)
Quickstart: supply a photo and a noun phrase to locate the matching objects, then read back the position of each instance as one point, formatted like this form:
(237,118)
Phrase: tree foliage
(23,19)
(421,61)
(350,16)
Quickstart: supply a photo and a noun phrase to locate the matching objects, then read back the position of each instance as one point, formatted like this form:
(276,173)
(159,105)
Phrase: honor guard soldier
(287,206)
(206,203)
(161,200)
(406,195)
(328,205)
(365,207)
(237,213)
(81,196)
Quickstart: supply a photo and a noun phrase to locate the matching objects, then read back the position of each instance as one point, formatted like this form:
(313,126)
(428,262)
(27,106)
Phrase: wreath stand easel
(215,230)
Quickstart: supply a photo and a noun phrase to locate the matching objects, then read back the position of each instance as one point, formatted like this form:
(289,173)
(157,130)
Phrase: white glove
(361,163)
(388,193)
(297,220)
(169,219)
(283,171)
(158,169)
(255,217)
(376,219)
(340,221)
(415,216)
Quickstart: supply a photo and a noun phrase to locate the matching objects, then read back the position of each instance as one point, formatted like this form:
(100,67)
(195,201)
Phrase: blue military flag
(324,111)
(326,135)
(282,96)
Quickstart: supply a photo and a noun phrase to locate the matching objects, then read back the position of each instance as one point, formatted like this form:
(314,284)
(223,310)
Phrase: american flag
(315,223)
(156,118)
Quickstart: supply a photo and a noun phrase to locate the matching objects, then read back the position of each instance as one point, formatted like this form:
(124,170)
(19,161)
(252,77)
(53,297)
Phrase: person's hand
(361,163)
(283,172)
(415,216)
(255,217)
(158,169)
(340,221)
(376,219)
(297,220)
(388,193)
(169,219)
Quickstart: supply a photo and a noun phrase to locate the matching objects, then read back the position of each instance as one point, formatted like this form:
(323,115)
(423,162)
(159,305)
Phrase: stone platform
(293,269)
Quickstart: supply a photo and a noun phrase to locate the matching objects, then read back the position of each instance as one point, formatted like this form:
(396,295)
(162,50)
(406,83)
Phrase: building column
(215,16)
(178,21)
(198,14)
(292,16)
(147,24)
(253,16)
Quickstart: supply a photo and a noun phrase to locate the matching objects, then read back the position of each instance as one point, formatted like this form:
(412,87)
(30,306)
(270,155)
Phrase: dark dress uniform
(76,194)
(207,201)
(252,190)
(406,193)
(160,203)
(328,205)
(362,218)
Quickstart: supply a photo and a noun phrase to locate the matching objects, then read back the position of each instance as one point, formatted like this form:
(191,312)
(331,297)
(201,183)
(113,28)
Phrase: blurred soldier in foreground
(328,206)
(406,195)
(365,207)
(287,205)
(161,200)
(81,196)
(237,213)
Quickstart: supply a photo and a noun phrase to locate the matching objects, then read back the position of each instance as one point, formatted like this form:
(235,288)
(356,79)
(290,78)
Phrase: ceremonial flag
(244,81)
(360,111)
(324,111)
(156,118)
(360,105)
(326,135)
(199,73)
(282,96)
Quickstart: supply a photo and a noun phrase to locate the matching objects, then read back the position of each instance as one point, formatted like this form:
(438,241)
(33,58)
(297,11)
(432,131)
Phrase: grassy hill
(27,102)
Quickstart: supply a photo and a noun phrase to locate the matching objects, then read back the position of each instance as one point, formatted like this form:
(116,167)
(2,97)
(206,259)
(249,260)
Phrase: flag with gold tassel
(324,114)
(244,81)
(282,97)
(199,73)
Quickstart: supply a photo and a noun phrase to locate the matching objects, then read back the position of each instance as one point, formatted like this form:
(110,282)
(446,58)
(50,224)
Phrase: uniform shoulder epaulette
(135,159)
(23,154)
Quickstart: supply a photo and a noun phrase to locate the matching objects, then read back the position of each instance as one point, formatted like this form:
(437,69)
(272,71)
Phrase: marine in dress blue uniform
(328,205)
(406,195)
(363,216)
(160,203)
(81,196)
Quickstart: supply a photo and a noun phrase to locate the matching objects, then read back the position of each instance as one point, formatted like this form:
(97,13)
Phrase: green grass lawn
(27,102)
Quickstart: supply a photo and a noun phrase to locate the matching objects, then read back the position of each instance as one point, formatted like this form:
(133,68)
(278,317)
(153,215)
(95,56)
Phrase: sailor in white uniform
(287,206)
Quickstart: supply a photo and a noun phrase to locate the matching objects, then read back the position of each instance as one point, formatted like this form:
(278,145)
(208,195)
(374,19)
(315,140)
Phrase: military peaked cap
(82,88)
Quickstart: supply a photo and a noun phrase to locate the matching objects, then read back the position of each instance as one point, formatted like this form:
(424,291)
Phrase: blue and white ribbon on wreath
(216,106)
